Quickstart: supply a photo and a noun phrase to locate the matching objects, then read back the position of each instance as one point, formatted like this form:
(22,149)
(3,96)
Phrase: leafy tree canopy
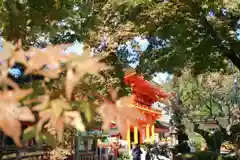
(207,96)
(195,32)
(33,21)
(199,34)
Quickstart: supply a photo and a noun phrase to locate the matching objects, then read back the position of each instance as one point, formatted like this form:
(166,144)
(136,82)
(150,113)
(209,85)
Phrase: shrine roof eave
(152,93)
(140,85)
(147,110)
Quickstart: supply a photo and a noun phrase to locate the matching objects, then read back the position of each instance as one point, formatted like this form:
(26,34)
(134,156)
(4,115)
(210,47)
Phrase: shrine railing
(8,150)
(14,153)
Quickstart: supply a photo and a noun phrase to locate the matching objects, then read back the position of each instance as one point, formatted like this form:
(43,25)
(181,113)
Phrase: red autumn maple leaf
(120,111)
(4,76)
(79,66)
(11,113)
(58,113)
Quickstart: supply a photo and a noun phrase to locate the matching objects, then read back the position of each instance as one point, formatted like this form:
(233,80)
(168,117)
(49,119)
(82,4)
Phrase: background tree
(177,121)
(209,96)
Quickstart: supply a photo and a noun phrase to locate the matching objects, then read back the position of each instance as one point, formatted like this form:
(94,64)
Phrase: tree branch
(227,49)
(202,132)
(214,117)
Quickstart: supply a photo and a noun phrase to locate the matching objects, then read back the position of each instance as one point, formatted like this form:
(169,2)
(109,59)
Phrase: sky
(143,43)
(76,48)
(166,115)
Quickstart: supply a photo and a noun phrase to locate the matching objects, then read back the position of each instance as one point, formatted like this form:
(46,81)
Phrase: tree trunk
(238,154)
(213,141)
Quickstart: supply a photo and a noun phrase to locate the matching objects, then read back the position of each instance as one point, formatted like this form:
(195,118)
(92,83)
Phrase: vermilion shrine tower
(145,94)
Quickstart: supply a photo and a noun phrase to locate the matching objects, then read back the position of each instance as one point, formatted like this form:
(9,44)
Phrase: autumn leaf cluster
(18,104)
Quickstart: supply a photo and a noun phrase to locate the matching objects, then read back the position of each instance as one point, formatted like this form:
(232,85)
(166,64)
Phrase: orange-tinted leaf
(121,112)
(16,94)
(122,126)
(59,128)
(55,53)
(26,114)
(76,120)
(12,128)
(11,83)
(70,82)
(7,51)
(124,101)
(44,117)
(49,73)
(10,116)
(43,100)
(79,66)
(91,65)
(19,57)
(37,62)
(50,56)
(114,94)
(108,111)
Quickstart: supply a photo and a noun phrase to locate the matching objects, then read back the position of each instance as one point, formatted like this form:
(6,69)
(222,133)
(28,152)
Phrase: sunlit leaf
(59,105)
(88,112)
(74,119)
(29,133)
(78,67)
(59,126)
(15,94)
(18,57)
(56,107)
(48,139)
(121,112)
(42,100)
(26,114)
(12,128)
(11,114)
(7,51)
(51,57)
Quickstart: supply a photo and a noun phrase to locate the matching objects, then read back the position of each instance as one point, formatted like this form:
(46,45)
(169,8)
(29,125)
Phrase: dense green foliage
(36,21)
(209,97)
(194,39)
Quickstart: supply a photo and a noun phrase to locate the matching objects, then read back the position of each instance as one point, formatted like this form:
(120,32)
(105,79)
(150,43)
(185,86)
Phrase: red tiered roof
(144,91)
